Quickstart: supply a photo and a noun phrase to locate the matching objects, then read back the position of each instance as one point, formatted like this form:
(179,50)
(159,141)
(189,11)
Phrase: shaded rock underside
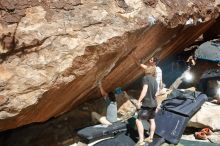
(53,53)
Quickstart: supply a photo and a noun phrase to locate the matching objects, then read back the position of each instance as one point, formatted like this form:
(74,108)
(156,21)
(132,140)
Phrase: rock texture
(207,116)
(53,53)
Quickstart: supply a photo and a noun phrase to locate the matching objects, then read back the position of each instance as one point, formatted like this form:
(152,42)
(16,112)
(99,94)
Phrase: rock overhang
(60,51)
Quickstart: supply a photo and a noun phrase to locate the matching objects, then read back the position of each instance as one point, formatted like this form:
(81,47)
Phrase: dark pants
(146,113)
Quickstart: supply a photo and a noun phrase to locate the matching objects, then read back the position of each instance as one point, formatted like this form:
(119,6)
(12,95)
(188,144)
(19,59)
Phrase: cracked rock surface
(53,53)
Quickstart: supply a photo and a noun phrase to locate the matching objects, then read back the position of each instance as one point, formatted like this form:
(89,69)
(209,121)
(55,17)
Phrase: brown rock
(58,61)
(3,100)
(151,3)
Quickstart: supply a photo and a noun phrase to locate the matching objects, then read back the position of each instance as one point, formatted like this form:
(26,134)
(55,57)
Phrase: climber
(191,61)
(153,61)
(111,106)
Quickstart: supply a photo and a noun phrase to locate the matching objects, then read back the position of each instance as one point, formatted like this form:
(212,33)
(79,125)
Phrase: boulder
(53,53)
(207,116)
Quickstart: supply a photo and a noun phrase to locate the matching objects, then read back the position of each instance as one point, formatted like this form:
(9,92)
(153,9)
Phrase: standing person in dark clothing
(147,104)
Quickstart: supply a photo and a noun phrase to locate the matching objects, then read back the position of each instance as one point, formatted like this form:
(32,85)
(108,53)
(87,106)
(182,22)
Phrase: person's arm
(193,62)
(103,92)
(161,81)
(139,62)
(143,66)
(143,93)
(190,57)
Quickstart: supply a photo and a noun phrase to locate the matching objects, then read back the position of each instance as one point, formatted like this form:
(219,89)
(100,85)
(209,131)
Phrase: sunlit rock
(53,53)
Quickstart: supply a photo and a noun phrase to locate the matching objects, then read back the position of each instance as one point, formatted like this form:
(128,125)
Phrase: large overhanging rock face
(53,53)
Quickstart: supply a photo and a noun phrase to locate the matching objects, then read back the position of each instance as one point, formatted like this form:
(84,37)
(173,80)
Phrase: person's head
(151,70)
(153,61)
(156,60)
(118,92)
(112,96)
